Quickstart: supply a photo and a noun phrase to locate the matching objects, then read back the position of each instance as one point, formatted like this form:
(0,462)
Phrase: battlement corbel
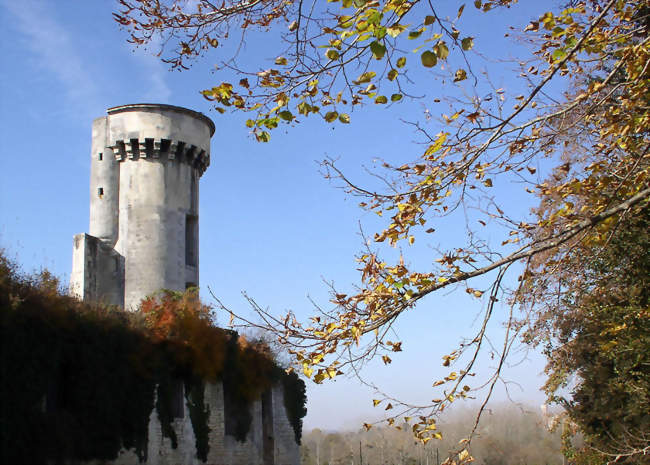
(131,148)
(142,148)
(116,147)
(157,143)
(175,150)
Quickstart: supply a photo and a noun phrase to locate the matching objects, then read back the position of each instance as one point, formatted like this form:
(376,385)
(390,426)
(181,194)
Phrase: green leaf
(286,115)
(380,32)
(304,108)
(345,21)
(467,43)
(559,54)
(381,99)
(396,97)
(429,59)
(375,17)
(263,136)
(250,123)
(330,116)
(415,34)
(281,61)
(392,74)
(271,123)
(395,30)
(378,50)
(344,118)
(401,62)
(332,54)
(365,77)
(429,20)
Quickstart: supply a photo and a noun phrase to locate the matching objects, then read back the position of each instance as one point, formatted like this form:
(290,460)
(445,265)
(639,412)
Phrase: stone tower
(146,161)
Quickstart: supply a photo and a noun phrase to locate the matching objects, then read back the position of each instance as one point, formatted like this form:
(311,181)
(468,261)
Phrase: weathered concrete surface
(223,449)
(97,271)
(146,161)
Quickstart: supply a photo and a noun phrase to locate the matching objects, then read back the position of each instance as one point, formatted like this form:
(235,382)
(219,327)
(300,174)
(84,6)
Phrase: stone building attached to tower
(144,195)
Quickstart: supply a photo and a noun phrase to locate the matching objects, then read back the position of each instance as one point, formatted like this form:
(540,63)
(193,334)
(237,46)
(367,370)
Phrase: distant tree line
(507,435)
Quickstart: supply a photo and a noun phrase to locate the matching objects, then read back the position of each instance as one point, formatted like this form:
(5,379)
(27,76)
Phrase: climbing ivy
(199,414)
(295,400)
(80,381)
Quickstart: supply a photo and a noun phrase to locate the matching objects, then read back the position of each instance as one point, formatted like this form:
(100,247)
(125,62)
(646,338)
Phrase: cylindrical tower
(146,163)
(104,186)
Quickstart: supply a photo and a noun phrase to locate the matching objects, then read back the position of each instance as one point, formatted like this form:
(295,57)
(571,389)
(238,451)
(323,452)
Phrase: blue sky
(270,224)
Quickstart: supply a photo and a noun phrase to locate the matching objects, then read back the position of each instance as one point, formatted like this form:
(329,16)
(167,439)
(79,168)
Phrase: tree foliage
(595,326)
(340,55)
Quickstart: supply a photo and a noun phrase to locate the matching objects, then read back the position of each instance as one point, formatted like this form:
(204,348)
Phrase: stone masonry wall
(286,450)
(98,271)
(223,449)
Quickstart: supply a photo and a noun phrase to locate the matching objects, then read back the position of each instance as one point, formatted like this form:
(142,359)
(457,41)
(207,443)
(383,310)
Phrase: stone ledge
(161,106)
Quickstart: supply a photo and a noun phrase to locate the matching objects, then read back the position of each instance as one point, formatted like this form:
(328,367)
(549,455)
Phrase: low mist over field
(507,434)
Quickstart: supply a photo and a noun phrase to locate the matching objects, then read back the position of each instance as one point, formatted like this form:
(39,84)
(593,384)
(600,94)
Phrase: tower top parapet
(159,131)
(156,107)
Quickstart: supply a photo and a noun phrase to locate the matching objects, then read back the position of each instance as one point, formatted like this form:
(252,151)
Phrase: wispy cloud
(157,91)
(55,52)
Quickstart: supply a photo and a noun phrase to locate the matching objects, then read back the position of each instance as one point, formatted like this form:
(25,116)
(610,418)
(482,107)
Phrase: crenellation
(142,148)
(118,150)
(133,149)
(157,143)
(173,148)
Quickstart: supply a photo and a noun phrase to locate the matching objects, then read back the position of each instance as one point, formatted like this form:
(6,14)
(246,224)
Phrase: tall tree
(594,322)
(343,54)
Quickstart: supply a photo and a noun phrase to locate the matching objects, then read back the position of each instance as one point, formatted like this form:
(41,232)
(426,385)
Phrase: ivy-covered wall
(81,382)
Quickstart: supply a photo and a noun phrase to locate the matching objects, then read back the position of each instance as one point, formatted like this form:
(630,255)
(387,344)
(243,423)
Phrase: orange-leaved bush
(181,319)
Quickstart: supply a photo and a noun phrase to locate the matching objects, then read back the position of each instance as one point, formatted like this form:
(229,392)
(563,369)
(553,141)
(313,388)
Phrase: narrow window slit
(191,223)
